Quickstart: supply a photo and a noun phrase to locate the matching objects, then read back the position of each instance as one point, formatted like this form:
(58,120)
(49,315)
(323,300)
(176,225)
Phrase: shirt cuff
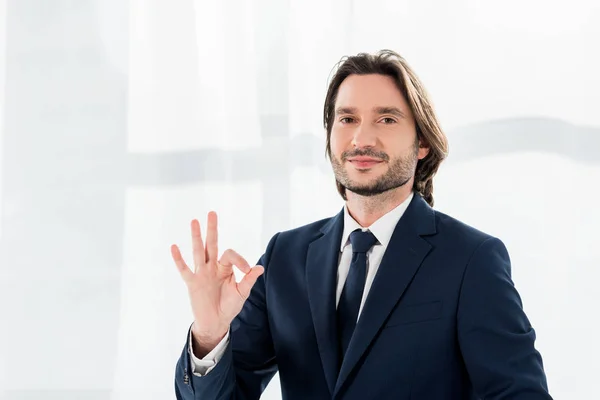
(201,367)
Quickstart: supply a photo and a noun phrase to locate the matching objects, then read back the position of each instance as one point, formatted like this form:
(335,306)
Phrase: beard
(400,171)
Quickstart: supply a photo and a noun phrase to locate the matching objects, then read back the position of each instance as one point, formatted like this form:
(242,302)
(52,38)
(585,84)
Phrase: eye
(346,120)
(388,120)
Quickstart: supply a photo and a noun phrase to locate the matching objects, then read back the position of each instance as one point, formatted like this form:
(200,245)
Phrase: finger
(245,285)
(182,267)
(224,270)
(231,258)
(212,251)
(197,245)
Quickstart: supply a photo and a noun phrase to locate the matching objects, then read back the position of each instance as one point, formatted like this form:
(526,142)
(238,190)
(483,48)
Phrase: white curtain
(122,121)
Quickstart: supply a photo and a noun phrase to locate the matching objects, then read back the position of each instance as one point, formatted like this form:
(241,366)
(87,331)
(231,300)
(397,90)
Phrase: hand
(215,296)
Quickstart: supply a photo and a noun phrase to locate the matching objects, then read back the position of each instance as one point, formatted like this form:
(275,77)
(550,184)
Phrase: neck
(367,209)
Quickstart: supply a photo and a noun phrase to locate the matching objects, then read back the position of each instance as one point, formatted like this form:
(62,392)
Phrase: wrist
(205,341)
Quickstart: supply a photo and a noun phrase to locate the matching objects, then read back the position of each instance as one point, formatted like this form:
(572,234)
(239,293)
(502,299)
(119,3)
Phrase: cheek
(392,143)
(336,144)
(401,141)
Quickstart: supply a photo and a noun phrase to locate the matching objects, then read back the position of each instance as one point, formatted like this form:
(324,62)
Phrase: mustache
(368,152)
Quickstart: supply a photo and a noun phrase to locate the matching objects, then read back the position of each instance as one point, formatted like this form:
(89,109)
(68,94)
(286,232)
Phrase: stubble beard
(399,173)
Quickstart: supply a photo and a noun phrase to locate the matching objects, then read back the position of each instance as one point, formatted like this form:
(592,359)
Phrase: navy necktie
(349,304)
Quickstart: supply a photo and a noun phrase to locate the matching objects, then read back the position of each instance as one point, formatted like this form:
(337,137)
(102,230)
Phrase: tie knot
(362,241)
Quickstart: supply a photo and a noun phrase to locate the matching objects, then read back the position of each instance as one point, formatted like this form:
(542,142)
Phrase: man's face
(374,146)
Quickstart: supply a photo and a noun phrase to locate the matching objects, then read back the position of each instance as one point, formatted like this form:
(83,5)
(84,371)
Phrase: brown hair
(429,132)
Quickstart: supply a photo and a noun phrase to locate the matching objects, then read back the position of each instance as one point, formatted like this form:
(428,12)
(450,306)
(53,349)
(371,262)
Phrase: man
(389,299)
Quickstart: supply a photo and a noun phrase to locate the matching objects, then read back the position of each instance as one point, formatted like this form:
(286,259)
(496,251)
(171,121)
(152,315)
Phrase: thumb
(245,285)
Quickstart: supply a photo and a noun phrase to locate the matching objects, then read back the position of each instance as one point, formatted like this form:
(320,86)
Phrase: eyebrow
(379,110)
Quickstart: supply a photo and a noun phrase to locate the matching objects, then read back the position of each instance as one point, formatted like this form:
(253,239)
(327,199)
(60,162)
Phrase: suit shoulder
(449,226)
(307,231)
(293,241)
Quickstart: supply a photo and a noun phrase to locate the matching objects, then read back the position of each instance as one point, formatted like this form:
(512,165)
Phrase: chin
(363,184)
(364,177)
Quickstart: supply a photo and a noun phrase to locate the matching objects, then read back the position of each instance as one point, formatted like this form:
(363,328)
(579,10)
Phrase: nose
(363,137)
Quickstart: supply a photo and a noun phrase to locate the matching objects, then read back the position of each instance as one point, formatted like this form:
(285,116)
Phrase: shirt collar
(383,228)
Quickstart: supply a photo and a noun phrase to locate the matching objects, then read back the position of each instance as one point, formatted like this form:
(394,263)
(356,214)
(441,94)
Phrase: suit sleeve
(495,336)
(201,367)
(248,363)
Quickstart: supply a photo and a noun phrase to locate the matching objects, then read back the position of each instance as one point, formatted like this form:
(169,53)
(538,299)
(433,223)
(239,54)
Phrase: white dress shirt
(383,229)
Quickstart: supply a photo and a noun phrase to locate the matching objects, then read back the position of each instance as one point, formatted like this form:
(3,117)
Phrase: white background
(121,121)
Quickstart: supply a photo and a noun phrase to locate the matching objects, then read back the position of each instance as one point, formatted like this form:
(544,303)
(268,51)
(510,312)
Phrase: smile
(362,164)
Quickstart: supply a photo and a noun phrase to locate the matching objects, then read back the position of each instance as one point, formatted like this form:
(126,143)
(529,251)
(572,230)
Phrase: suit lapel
(402,259)
(321,279)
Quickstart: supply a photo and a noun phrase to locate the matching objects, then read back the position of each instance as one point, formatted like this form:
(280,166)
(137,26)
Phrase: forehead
(367,91)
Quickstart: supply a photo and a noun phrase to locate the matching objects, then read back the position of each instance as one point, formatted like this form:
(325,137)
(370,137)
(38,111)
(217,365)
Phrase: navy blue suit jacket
(442,320)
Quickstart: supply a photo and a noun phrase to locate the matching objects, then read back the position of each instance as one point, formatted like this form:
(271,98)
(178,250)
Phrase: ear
(423,150)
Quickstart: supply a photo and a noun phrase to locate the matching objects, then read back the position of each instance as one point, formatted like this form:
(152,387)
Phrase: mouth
(364,162)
